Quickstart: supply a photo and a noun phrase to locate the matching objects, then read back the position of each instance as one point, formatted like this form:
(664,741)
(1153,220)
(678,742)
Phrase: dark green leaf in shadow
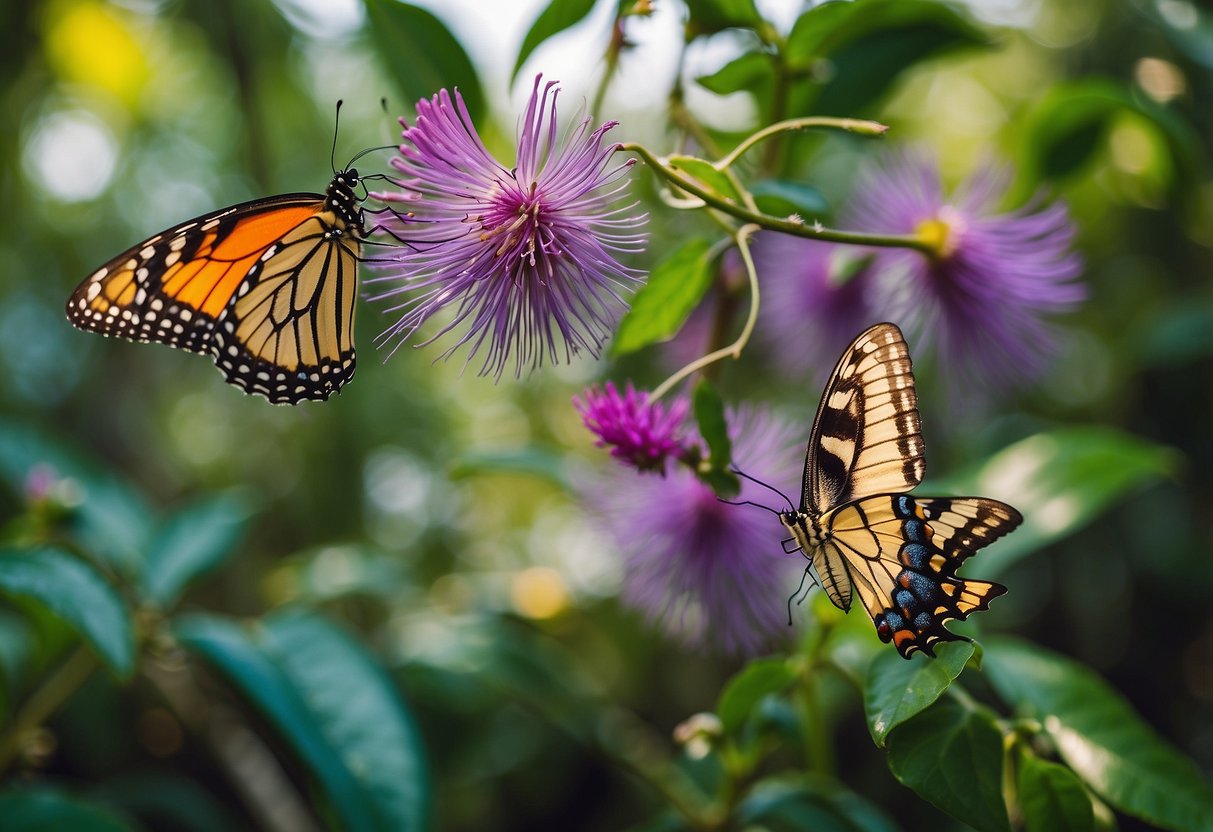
(555,18)
(814,27)
(1052,797)
(1059,481)
(334,707)
(897,689)
(748,687)
(708,408)
(952,756)
(422,54)
(43,809)
(820,803)
(782,198)
(745,73)
(194,541)
(167,801)
(109,518)
(707,17)
(1098,734)
(74,593)
(674,288)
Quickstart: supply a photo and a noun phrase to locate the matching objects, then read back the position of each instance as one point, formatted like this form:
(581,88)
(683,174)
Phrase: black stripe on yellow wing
(265,287)
(866,436)
(902,554)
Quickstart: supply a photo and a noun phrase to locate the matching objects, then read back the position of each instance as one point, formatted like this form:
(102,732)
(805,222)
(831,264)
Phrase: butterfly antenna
(371,150)
(748,503)
(336,127)
(746,476)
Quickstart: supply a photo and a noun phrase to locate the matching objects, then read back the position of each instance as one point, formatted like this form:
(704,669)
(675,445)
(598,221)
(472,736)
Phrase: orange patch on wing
(253,235)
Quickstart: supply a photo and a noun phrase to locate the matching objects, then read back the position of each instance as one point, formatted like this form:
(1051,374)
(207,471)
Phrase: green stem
(795,228)
(734,349)
(47,699)
(608,72)
(850,125)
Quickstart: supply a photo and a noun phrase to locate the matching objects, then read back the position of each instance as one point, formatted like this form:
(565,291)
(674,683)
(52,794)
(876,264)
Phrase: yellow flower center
(941,232)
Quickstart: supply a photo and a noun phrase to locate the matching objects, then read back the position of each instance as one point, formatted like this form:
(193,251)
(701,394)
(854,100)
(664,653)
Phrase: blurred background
(431,512)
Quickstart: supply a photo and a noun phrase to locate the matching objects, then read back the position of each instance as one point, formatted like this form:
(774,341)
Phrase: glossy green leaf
(952,756)
(1098,734)
(705,174)
(708,408)
(814,27)
(707,17)
(1059,481)
(334,707)
(422,54)
(167,801)
(1052,797)
(191,543)
(109,518)
(746,689)
(74,593)
(817,803)
(872,44)
(782,198)
(554,19)
(674,288)
(42,809)
(897,689)
(741,74)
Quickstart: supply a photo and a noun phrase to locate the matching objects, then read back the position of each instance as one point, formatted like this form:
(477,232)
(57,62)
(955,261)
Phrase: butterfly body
(863,535)
(265,287)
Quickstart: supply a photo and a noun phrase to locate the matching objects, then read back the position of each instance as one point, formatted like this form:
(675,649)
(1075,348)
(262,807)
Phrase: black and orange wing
(265,287)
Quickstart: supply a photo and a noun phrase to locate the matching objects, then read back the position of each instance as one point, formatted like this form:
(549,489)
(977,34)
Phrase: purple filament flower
(524,256)
(982,296)
(639,433)
(708,573)
(814,300)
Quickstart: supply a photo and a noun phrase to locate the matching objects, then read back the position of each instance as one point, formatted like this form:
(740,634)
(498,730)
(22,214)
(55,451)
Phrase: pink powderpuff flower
(524,256)
(639,433)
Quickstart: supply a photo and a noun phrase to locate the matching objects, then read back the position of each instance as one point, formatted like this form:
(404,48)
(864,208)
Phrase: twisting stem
(796,228)
(734,349)
(851,125)
(56,690)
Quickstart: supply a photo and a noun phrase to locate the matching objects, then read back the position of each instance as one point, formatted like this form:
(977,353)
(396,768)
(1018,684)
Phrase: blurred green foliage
(389,611)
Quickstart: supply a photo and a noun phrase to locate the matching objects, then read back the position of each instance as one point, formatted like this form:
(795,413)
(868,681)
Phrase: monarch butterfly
(264,287)
(860,532)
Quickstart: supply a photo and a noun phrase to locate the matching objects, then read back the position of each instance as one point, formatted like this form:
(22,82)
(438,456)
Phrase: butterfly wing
(866,436)
(265,287)
(902,553)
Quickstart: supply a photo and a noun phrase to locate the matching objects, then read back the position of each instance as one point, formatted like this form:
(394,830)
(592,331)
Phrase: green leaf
(675,287)
(334,707)
(707,176)
(1052,797)
(708,408)
(422,54)
(109,519)
(558,16)
(952,756)
(1068,125)
(818,803)
(1059,481)
(897,689)
(1098,734)
(191,543)
(871,44)
(707,17)
(747,688)
(813,28)
(781,198)
(745,73)
(74,593)
(41,809)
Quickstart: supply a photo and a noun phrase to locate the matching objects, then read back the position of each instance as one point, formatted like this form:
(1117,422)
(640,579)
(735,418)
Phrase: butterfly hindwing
(902,554)
(866,437)
(265,287)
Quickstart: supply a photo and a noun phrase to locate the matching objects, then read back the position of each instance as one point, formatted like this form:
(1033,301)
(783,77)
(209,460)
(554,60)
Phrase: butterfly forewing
(265,287)
(866,437)
(902,554)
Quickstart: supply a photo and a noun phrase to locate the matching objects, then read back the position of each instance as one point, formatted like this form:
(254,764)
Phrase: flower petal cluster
(522,257)
(639,433)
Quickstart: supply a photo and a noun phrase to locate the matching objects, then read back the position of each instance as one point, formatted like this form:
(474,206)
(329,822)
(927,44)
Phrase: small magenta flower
(982,297)
(709,574)
(639,433)
(523,256)
(816,297)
